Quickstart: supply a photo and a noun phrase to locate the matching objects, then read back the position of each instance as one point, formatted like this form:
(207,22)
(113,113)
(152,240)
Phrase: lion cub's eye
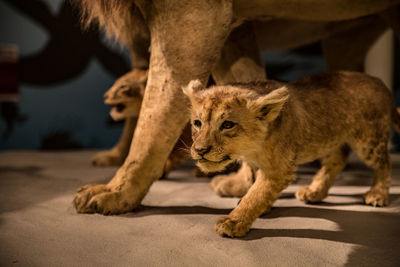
(227,125)
(197,123)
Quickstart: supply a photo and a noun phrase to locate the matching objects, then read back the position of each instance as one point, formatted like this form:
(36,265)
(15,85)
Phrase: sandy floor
(174,227)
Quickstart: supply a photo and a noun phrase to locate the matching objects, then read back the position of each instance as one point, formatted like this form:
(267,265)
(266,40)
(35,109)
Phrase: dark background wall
(63,73)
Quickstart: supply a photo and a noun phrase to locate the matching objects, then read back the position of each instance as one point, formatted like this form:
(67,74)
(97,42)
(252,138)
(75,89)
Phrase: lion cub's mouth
(204,160)
(118,107)
(213,166)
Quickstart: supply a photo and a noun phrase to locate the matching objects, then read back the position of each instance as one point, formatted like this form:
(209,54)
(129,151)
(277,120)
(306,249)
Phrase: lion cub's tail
(396,119)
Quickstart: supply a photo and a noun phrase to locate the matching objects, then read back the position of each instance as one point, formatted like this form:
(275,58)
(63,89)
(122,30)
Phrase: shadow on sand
(376,233)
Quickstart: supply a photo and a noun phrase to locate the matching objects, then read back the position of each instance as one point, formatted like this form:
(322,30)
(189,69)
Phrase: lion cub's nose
(202,150)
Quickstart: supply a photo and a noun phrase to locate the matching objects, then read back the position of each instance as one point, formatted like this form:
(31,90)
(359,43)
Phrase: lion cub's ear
(192,88)
(268,107)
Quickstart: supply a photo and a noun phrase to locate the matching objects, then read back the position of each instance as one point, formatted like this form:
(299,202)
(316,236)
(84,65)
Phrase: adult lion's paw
(226,226)
(98,198)
(85,193)
(377,198)
(107,158)
(307,195)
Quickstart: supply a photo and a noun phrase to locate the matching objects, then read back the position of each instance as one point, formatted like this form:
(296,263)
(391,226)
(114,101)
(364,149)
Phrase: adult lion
(187,37)
(340,49)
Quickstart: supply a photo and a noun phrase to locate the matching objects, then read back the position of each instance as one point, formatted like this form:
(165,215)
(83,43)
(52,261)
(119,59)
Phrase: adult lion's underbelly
(316,10)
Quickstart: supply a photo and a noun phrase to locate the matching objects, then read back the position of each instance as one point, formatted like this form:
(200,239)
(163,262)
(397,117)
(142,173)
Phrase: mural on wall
(65,56)
(69,49)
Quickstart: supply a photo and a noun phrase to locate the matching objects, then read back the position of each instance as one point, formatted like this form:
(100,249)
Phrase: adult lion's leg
(240,59)
(240,62)
(185,44)
(125,97)
(180,152)
(138,43)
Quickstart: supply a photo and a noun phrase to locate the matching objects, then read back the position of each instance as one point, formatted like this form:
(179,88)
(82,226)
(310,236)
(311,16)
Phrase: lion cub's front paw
(227,226)
(377,198)
(107,158)
(307,195)
(99,198)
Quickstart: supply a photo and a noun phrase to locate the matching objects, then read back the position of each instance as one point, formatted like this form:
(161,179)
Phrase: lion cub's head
(230,122)
(126,95)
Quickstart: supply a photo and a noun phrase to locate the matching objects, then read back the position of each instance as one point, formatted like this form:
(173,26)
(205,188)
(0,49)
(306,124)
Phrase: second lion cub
(275,126)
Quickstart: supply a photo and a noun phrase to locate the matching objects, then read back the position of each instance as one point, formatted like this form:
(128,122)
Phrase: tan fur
(116,16)
(126,95)
(240,61)
(276,126)
(234,184)
(187,37)
(125,98)
(122,21)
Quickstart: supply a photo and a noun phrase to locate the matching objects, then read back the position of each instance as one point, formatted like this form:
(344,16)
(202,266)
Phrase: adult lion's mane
(116,17)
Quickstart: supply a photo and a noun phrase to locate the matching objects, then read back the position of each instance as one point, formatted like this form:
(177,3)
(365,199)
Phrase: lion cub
(275,126)
(125,99)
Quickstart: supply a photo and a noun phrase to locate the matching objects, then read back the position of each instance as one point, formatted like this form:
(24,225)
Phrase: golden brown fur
(126,95)
(187,37)
(115,16)
(125,98)
(122,21)
(275,126)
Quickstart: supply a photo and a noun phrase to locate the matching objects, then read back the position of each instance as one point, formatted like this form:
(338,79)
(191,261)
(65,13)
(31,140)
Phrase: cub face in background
(125,98)
(126,95)
(276,126)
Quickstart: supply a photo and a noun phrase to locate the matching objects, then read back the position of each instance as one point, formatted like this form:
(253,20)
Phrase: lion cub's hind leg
(332,164)
(375,154)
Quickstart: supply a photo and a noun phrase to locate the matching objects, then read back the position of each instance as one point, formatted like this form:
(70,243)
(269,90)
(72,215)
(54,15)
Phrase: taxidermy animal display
(275,126)
(187,40)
